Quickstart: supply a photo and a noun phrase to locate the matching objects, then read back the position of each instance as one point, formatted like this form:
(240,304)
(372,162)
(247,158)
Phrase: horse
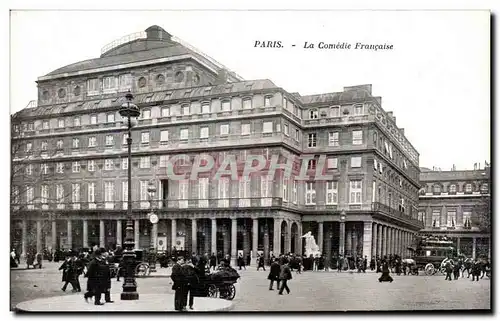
(467,266)
(409,266)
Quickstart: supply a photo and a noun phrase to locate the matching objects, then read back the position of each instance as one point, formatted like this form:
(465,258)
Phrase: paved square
(310,291)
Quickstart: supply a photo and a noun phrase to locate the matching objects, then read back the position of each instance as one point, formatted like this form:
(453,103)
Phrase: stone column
(234,238)
(277,237)
(226,241)
(255,238)
(298,240)
(119,238)
(288,239)
(374,241)
(102,234)
(320,237)
(489,248)
(354,235)
(154,236)
(474,248)
(85,233)
(342,238)
(214,236)
(137,233)
(24,235)
(389,241)
(384,241)
(367,240)
(174,233)
(380,237)
(396,244)
(266,243)
(39,236)
(328,247)
(246,240)
(194,237)
(348,242)
(54,235)
(70,234)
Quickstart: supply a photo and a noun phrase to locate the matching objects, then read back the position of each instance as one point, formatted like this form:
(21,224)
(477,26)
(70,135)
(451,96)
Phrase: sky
(436,80)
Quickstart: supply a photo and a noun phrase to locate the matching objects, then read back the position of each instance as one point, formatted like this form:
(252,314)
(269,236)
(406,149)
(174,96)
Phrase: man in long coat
(274,275)
(96,280)
(180,285)
(285,275)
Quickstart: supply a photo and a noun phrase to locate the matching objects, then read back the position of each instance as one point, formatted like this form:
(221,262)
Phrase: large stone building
(69,187)
(456,204)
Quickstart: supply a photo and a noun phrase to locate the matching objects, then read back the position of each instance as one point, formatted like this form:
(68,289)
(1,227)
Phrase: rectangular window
(60,123)
(60,193)
(286,130)
(109,140)
(466,217)
(310,193)
(357,137)
(108,164)
(183,193)
(28,147)
(335,111)
(76,121)
(93,141)
(421,216)
(164,136)
(15,193)
(226,105)
(165,112)
(91,192)
(297,135)
(145,137)
(311,164)
(44,146)
(125,194)
(44,194)
(285,103)
(451,220)
(93,119)
(245,129)
(244,192)
(145,162)
(146,114)
(60,168)
(294,192)
(333,139)
(45,125)
(311,141)
(125,136)
(109,83)
(332,163)
(452,189)
(44,169)
(436,218)
(203,191)
(331,192)
(247,104)
(76,142)
(355,192)
(374,194)
(31,127)
(76,167)
(110,118)
(267,101)
(224,129)
(125,163)
(29,194)
(93,86)
(204,132)
(29,169)
(91,165)
(75,193)
(125,82)
(109,193)
(355,162)
(285,190)
(264,187)
(358,109)
(185,110)
(205,109)
(184,134)
(267,127)
(313,114)
(375,164)
(164,160)
(468,188)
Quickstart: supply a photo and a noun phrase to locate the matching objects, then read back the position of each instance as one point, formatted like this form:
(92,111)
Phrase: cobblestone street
(310,291)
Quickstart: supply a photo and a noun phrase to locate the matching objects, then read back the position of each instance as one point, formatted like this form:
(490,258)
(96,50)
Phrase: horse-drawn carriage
(217,285)
(432,254)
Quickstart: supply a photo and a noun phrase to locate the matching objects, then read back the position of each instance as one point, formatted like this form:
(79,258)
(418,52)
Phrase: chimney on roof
(157,33)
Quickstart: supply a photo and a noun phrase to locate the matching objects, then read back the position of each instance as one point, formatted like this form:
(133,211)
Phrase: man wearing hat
(95,283)
(180,285)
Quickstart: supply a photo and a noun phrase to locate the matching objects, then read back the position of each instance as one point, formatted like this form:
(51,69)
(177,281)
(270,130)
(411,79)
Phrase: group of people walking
(280,273)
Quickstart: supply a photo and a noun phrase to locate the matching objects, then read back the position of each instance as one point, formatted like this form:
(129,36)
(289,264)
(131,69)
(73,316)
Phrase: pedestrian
(213,261)
(385,277)
(105,271)
(476,270)
(365,264)
(95,279)
(13,263)
(456,269)
(67,273)
(372,264)
(274,275)
(179,285)
(285,276)
(260,263)
(241,262)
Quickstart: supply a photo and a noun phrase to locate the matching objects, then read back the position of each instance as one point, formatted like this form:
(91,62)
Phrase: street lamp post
(129,110)
(153,218)
(342,233)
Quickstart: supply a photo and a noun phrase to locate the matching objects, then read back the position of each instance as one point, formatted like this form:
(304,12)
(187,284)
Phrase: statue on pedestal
(311,246)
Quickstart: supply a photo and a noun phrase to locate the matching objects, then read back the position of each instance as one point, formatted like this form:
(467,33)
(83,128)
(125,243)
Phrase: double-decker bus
(431,253)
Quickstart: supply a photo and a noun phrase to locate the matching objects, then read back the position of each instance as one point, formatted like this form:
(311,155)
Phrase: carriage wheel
(142,269)
(231,292)
(212,291)
(430,269)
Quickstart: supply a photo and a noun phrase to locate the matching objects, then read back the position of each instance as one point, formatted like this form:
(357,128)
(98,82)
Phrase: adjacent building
(457,204)
(69,182)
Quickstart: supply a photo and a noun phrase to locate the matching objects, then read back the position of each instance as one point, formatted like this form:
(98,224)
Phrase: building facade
(69,159)
(457,204)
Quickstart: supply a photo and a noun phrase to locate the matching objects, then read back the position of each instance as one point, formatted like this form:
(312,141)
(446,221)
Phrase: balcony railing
(389,211)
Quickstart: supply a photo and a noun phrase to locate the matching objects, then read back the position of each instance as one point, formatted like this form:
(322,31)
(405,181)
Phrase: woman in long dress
(386,277)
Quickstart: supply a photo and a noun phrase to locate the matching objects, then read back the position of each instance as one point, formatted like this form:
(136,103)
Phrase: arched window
(452,189)
(436,189)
